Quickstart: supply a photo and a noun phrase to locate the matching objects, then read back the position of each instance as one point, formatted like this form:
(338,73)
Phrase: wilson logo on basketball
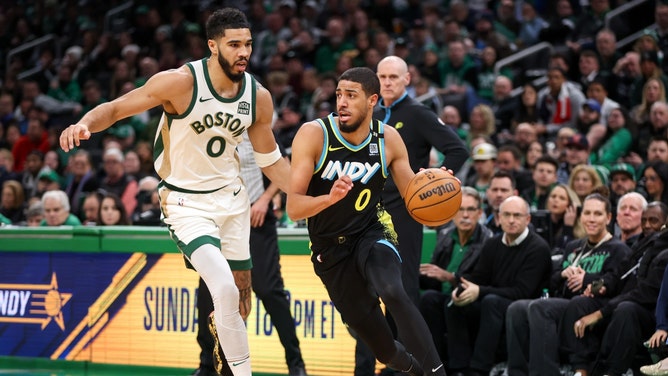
(439,190)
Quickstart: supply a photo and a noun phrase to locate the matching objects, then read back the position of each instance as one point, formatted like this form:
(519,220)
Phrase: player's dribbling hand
(73,135)
(340,188)
(448,170)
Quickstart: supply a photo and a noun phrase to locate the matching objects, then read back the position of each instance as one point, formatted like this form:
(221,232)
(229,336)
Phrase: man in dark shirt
(513,265)
(420,130)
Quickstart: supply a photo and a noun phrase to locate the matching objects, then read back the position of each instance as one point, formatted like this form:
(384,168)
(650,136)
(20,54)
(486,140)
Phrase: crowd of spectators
(616,99)
(598,124)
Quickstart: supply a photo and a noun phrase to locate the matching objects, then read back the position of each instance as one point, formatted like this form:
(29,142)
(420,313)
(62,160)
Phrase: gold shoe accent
(218,356)
(654,370)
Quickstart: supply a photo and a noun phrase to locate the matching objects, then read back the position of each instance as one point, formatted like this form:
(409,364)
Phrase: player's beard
(227,69)
(350,127)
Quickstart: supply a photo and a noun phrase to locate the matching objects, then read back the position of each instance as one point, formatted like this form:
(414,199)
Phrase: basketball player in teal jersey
(339,167)
(207,104)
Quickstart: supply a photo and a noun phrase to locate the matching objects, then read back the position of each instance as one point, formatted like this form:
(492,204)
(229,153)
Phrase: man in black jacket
(420,129)
(513,265)
(457,250)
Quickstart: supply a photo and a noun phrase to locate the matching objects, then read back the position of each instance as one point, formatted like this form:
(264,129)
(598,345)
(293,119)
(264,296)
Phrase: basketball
(433,197)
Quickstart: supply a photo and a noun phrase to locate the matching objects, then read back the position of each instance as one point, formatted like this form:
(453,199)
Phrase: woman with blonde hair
(653,91)
(564,204)
(482,123)
(583,180)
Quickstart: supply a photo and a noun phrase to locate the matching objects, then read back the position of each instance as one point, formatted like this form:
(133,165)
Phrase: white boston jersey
(196,151)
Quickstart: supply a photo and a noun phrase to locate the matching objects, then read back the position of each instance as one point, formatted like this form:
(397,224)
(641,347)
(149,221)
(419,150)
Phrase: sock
(240,367)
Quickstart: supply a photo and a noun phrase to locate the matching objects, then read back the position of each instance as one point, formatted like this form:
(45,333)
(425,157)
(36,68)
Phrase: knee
(535,309)
(518,310)
(625,311)
(392,293)
(494,303)
(430,299)
(574,304)
(225,290)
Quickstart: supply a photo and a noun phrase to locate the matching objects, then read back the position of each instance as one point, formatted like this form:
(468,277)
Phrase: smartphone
(596,286)
(460,289)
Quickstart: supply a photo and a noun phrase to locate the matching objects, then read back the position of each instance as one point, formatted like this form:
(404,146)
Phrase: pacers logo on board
(33,303)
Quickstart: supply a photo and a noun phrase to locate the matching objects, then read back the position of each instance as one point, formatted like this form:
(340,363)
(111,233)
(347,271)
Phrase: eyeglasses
(512,215)
(470,209)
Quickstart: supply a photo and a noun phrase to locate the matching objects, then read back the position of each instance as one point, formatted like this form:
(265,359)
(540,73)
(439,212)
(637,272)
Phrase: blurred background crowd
(581,81)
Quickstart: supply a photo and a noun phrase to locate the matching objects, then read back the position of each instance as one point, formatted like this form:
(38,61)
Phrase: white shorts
(221,218)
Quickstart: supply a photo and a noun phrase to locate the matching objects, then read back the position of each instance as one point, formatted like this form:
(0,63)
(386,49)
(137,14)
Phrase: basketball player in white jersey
(207,104)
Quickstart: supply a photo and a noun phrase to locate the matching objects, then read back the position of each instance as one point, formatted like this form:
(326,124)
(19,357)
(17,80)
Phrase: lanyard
(579,257)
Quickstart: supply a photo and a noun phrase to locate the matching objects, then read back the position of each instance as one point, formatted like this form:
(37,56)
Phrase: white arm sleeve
(267,159)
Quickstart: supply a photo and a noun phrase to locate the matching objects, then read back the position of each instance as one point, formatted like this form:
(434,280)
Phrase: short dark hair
(658,139)
(601,198)
(505,174)
(558,69)
(589,53)
(547,159)
(514,150)
(662,206)
(223,19)
(364,76)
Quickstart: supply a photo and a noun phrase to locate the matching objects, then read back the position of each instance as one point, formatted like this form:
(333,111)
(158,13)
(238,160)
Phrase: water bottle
(545,294)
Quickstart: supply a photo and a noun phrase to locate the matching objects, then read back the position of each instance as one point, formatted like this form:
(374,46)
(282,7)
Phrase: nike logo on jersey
(236,192)
(234,364)
(436,369)
(204,100)
(332,148)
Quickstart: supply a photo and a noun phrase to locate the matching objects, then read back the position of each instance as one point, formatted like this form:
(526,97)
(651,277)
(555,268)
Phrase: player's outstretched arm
(162,88)
(306,149)
(263,141)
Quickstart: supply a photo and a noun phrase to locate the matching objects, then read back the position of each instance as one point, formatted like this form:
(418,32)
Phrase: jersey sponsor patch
(373,149)
(244,108)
